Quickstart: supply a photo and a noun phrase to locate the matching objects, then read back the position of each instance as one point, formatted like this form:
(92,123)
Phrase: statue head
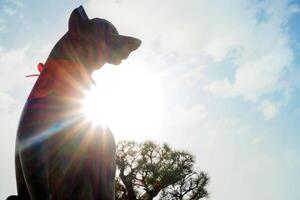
(96,41)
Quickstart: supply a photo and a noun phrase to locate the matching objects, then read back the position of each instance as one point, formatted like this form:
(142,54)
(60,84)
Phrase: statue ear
(77,19)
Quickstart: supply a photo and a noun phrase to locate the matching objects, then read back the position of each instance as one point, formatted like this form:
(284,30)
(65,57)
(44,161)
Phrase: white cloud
(270,109)
(254,78)
(5,101)
(214,30)
(258,139)
(9,11)
(190,77)
(266,53)
(11,75)
(193,114)
(12,67)
(19,3)
(15,65)
(3,26)
(185,27)
(221,88)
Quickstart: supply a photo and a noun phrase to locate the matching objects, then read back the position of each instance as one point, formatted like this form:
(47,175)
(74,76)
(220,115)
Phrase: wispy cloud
(8,10)
(6,101)
(11,62)
(15,64)
(270,109)
(255,32)
(19,3)
(265,54)
(3,26)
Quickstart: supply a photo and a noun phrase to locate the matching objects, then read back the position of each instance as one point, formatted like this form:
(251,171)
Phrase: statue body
(59,154)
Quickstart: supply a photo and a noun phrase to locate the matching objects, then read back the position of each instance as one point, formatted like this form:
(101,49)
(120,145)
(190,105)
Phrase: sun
(95,106)
(127,99)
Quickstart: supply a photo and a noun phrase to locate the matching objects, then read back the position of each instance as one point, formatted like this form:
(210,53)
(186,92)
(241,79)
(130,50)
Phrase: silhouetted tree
(147,170)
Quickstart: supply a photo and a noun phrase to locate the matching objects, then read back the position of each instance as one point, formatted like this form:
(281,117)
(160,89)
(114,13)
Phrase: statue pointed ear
(77,19)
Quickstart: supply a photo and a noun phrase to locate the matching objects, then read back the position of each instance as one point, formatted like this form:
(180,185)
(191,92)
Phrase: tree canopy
(148,170)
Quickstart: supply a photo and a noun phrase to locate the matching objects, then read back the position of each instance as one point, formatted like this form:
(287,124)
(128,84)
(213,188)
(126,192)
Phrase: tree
(147,170)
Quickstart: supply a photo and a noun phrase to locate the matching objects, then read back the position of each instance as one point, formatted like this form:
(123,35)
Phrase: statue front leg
(34,168)
(22,190)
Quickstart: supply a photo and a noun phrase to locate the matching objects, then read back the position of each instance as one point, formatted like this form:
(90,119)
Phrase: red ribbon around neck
(40,67)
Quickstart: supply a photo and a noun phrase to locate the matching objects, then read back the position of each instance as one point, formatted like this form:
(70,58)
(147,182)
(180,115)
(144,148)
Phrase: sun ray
(127,99)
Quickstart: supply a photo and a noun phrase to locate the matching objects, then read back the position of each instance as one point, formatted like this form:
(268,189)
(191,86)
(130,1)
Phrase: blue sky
(222,81)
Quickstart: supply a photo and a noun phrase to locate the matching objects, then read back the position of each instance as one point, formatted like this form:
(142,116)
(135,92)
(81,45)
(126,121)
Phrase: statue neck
(62,78)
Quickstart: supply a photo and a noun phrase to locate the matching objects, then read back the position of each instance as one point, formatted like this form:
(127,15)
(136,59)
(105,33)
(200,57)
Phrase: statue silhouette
(59,153)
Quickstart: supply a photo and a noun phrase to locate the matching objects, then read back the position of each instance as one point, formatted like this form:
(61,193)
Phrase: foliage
(147,170)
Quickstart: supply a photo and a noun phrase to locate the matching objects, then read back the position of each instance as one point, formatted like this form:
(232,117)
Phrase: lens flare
(96,106)
(128,100)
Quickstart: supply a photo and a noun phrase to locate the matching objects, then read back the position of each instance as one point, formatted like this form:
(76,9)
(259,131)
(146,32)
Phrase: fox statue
(59,153)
